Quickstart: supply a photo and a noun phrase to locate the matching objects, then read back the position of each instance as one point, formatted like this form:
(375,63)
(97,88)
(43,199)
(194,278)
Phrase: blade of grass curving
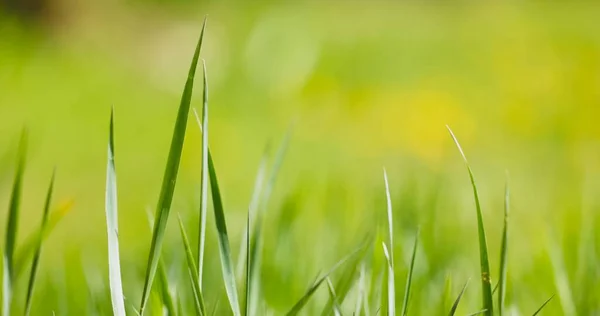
(12,226)
(457,301)
(503,252)
(409,277)
(170,177)
(193,272)
(38,251)
(112,226)
(478,312)
(390,299)
(483,251)
(224,249)
(335,306)
(543,305)
(315,285)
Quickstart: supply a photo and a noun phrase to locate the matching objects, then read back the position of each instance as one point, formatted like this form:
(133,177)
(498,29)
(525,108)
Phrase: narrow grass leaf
(362,299)
(478,312)
(112,226)
(503,253)
(457,301)
(247,242)
(543,305)
(409,277)
(170,178)
(12,226)
(165,293)
(391,294)
(193,272)
(224,249)
(483,251)
(335,306)
(38,250)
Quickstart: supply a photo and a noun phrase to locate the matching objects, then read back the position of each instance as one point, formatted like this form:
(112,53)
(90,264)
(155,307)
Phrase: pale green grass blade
(389,217)
(170,178)
(503,253)
(337,311)
(12,226)
(543,305)
(165,293)
(112,226)
(224,248)
(362,299)
(193,272)
(483,250)
(204,173)
(409,277)
(457,301)
(248,286)
(315,285)
(390,299)
(561,278)
(38,250)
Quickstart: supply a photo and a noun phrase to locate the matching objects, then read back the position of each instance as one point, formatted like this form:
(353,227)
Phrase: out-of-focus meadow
(362,85)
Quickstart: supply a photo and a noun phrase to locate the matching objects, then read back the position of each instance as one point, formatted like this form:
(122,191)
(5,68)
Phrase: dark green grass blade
(112,226)
(193,272)
(543,305)
(483,251)
(170,178)
(337,311)
(315,285)
(204,174)
(457,301)
(12,226)
(224,248)
(503,253)
(409,277)
(38,250)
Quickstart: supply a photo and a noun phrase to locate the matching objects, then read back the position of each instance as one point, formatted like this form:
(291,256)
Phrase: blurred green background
(365,84)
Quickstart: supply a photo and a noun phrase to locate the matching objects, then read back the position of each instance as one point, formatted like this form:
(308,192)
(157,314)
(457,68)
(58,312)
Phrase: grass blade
(409,277)
(112,226)
(543,305)
(170,178)
(335,306)
(503,253)
(457,301)
(483,251)
(12,226)
(391,294)
(165,293)
(193,272)
(38,250)
(224,249)
(478,312)
(247,300)
(315,285)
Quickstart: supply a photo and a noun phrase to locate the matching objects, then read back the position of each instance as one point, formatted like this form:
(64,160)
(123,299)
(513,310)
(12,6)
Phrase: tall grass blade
(561,278)
(391,294)
(193,272)
(12,226)
(362,299)
(483,251)
(503,253)
(409,277)
(165,293)
(457,301)
(315,285)
(112,226)
(335,306)
(224,249)
(38,250)
(170,178)
(543,305)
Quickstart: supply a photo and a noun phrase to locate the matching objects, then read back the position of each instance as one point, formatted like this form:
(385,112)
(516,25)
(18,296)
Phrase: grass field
(309,103)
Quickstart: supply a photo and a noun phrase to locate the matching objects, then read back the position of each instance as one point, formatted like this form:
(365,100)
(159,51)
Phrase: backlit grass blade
(362,303)
(335,306)
(457,301)
(193,272)
(409,277)
(224,249)
(170,178)
(486,285)
(112,225)
(391,293)
(165,293)
(503,253)
(12,226)
(543,305)
(38,250)
(315,285)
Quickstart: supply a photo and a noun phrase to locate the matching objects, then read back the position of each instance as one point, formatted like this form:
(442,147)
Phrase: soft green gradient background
(365,85)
